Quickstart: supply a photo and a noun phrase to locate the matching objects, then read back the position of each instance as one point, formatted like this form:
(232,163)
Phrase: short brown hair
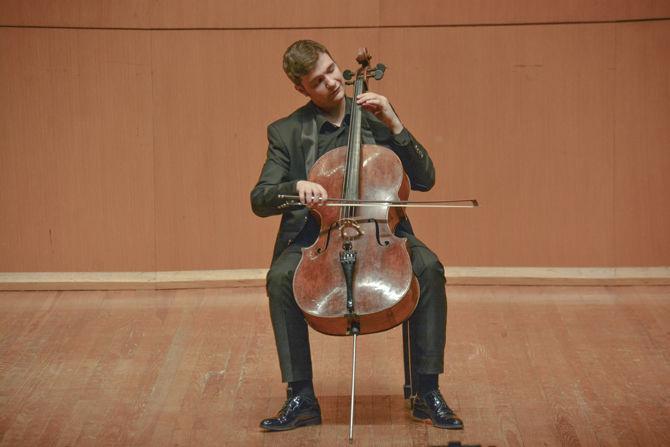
(300,58)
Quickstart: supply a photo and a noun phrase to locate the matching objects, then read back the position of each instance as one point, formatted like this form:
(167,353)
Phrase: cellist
(295,142)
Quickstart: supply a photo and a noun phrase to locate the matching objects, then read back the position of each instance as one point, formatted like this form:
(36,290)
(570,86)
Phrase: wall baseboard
(256,278)
(568,276)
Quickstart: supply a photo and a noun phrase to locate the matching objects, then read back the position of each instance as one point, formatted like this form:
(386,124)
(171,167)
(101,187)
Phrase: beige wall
(135,149)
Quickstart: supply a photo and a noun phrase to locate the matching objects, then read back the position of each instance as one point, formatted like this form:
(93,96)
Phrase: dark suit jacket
(292,151)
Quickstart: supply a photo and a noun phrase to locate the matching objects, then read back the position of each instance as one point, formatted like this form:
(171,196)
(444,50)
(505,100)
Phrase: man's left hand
(381,108)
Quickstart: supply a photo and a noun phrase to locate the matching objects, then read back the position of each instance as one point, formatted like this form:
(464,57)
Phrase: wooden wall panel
(136,150)
(452,12)
(215,93)
(642,145)
(190,14)
(314,14)
(76,183)
(519,118)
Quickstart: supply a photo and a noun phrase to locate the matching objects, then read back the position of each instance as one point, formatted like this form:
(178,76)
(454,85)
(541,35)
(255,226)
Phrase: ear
(300,89)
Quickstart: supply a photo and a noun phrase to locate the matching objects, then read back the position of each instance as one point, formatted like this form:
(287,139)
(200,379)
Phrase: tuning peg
(379,71)
(348,74)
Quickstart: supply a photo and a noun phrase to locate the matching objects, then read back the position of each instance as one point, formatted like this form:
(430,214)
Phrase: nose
(330,82)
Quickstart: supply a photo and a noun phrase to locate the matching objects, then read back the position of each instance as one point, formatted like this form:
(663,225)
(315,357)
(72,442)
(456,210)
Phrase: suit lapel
(308,138)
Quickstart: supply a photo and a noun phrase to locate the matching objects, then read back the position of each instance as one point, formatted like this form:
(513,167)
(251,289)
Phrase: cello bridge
(349,229)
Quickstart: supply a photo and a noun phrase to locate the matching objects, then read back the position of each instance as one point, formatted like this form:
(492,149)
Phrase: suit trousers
(428,323)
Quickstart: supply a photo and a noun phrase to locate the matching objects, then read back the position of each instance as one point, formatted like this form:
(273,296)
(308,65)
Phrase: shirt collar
(321,119)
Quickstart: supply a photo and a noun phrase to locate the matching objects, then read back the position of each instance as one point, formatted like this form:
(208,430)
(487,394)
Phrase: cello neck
(352,168)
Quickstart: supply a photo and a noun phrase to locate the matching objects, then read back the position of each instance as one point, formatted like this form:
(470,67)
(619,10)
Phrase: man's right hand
(310,193)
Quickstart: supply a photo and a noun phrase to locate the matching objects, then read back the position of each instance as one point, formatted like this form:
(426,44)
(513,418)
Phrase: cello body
(385,289)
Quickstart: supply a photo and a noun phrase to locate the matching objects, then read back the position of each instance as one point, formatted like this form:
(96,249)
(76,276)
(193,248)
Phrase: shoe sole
(311,421)
(429,421)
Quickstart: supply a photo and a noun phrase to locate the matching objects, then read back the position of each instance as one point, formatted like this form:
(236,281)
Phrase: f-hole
(378,235)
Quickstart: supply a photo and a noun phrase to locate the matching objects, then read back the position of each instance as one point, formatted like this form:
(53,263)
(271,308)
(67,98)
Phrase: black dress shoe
(298,411)
(432,406)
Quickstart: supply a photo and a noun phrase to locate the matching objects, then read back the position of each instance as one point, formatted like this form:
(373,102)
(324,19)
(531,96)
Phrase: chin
(339,96)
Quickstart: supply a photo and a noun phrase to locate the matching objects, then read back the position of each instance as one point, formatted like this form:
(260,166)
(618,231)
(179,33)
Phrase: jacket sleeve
(414,157)
(415,160)
(274,178)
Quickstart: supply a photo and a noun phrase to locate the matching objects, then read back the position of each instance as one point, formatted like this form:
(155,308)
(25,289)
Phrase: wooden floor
(526,366)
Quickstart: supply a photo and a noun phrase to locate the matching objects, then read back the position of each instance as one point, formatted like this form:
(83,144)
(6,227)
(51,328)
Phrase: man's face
(324,84)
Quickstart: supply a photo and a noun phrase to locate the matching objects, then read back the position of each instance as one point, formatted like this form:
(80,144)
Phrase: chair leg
(409,389)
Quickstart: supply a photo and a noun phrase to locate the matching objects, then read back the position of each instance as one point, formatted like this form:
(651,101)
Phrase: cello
(357,277)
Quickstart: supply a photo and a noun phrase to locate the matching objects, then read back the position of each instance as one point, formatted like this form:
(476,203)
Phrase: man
(295,142)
